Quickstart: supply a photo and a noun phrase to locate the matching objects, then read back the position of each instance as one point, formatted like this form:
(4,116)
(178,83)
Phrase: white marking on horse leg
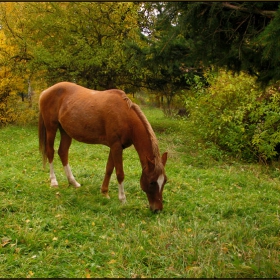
(70,176)
(160,181)
(54,182)
(122,197)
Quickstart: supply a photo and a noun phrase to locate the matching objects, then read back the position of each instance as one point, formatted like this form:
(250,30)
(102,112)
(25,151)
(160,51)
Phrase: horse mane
(149,129)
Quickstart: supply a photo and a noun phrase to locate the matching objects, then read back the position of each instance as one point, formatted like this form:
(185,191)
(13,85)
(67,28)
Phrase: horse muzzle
(156,207)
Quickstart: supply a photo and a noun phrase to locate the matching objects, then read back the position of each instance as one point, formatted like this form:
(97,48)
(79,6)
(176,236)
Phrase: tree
(81,42)
(165,56)
(236,35)
(13,79)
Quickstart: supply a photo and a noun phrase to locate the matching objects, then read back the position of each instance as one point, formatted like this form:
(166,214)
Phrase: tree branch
(243,9)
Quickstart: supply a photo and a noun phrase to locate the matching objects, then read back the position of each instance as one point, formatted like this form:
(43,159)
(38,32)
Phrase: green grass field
(221,217)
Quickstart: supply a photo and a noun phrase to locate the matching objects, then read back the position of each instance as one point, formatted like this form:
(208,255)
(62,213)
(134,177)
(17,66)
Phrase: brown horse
(101,117)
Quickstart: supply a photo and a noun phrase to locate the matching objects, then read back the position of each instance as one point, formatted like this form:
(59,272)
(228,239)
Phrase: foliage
(81,42)
(12,80)
(236,35)
(7,114)
(268,41)
(25,112)
(163,47)
(236,115)
(166,56)
(44,43)
(266,136)
(220,218)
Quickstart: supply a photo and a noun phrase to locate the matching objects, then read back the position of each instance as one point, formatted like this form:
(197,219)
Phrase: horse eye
(152,184)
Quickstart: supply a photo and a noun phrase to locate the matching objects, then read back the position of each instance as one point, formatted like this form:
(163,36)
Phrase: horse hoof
(123,200)
(74,184)
(106,195)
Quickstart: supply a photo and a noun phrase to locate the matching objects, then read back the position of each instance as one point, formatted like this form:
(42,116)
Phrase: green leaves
(237,116)
(242,36)
(80,42)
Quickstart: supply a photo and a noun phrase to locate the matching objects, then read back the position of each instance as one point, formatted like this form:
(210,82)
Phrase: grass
(220,219)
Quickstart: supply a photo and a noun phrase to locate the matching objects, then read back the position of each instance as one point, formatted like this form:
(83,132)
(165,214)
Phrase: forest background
(218,62)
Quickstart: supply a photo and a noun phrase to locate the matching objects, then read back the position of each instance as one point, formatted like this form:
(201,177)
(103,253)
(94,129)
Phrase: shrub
(238,116)
(7,113)
(26,112)
(266,136)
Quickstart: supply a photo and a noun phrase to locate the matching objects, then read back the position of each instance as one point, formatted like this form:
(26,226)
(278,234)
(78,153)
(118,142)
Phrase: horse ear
(164,158)
(151,165)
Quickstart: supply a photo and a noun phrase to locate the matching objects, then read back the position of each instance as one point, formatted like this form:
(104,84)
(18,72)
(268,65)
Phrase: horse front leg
(114,160)
(64,146)
(109,170)
(118,162)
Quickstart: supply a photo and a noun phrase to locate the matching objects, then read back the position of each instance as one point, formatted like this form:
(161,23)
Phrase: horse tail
(42,138)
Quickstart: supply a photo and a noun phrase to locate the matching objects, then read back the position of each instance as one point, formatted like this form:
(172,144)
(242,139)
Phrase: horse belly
(84,128)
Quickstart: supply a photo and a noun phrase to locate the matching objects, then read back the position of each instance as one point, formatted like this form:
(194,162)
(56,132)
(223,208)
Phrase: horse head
(152,182)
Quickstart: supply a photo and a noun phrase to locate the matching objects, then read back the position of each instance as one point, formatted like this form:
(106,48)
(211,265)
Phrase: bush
(26,112)
(266,138)
(7,113)
(14,111)
(238,116)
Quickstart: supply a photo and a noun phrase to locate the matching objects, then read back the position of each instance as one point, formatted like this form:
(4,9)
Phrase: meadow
(221,216)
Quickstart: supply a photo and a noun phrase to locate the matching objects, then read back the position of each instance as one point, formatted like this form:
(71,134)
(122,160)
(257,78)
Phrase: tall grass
(220,218)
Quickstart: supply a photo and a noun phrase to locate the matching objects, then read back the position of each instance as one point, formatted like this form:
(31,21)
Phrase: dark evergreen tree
(238,35)
(166,57)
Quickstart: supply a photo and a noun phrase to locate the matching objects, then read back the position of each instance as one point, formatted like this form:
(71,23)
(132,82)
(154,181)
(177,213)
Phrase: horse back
(95,117)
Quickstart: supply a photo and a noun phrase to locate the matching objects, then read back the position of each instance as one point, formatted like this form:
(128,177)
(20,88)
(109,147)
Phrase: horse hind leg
(54,182)
(71,179)
(49,146)
(64,146)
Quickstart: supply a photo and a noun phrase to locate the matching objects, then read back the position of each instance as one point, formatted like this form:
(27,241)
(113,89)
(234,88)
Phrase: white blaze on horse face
(160,181)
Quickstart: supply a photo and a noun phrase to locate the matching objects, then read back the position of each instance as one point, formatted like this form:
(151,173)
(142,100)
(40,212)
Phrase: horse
(106,117)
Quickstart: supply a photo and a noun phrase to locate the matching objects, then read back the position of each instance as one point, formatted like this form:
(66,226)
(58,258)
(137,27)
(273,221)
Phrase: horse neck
(142,141)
